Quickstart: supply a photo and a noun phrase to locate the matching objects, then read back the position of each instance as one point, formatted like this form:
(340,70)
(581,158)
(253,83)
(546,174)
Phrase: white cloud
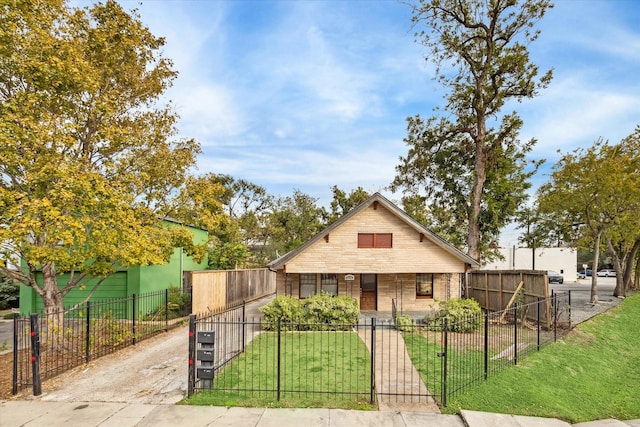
(574,113)
(211,112)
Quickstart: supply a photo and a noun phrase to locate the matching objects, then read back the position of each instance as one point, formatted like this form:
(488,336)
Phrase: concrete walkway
(34,413)
(399,386)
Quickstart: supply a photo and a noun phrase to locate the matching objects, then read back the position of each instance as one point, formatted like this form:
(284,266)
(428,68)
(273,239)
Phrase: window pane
(368,282)
(424,284)
(307,285)
(329,283)
(383,240)
(365,240)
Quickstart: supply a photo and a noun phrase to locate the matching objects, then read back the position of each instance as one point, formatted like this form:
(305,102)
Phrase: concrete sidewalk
(34,413)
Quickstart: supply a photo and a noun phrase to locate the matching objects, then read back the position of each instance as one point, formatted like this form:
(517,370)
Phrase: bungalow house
(375,253)
(126,282)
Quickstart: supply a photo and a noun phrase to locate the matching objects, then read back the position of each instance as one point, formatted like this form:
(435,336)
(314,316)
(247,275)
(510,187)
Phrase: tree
(9,293)
(623,237)
(294,220)
(596,191)
(472,168)
(203,202)
(88,155)
(343,203)
(249,206)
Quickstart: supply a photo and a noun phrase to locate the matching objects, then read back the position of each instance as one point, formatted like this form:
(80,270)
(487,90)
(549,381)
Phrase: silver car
(555,277)
(606,272)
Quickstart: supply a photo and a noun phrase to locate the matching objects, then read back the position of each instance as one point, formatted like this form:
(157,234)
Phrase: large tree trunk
(473,235)
(594,268)
(628,266)
(52,297)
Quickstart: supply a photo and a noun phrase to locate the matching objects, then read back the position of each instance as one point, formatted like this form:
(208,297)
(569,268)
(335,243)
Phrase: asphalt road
(6,335)
(581,307)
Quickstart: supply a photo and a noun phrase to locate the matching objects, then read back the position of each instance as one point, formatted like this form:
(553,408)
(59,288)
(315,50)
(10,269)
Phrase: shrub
(323,309)
(285,308)
(462,315)
(319,312)
(404,323)
(178,305)
(9,293)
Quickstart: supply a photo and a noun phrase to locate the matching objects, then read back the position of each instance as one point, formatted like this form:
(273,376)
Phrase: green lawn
(317,369)
(593,373)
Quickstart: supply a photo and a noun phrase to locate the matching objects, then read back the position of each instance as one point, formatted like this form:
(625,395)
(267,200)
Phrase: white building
(561,260)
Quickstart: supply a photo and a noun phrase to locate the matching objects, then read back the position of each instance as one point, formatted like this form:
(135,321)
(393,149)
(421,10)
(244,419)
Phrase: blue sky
(310,94)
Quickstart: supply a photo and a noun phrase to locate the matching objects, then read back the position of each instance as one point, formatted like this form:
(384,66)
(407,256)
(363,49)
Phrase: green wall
(135,280)
(114,286)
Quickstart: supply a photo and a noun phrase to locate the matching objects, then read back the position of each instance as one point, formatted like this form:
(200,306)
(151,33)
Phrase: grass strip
(593,373)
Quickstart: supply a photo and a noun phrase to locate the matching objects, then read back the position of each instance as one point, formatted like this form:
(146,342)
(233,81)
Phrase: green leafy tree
(342,203)
(293,221)
(88,155)
(470,165)
(227,256)
(9,293)
(623,237)
(248,205)
(201,203)
(595,192)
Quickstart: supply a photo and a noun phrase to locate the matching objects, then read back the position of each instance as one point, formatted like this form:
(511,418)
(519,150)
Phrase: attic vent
(421,237)
(326,238)
(375,205)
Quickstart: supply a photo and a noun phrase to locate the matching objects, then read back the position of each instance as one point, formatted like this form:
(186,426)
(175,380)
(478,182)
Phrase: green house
(134,280)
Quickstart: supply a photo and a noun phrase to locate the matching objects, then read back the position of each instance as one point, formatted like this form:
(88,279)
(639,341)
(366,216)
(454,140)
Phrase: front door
(368,292)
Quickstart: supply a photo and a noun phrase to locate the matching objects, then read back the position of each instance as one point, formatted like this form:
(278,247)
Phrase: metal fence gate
(392,364)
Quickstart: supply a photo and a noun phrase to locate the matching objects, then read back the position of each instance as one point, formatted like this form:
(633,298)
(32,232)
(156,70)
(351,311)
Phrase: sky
(304,95)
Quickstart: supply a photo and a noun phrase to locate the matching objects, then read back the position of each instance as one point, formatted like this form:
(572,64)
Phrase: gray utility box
(206,337)
(205,373)
(205,355)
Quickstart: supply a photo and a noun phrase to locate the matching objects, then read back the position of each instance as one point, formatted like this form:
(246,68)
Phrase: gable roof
(379,198)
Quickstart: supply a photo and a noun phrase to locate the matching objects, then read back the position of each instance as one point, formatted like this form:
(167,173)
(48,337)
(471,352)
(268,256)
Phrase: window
(424,285)
(375,240)
(329,283)
(307,285)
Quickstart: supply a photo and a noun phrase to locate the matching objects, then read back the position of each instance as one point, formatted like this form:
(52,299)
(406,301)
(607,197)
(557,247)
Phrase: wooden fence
(215,290)
(497,290)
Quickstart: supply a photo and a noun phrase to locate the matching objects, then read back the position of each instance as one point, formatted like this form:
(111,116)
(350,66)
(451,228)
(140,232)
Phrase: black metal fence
(45,345)
(250,358)
(373,361)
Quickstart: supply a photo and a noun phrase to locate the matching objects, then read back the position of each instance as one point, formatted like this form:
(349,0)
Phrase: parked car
(606,272)
(555,277)
(583,274)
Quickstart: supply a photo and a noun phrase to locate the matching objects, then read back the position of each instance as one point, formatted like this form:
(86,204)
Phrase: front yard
(330,369)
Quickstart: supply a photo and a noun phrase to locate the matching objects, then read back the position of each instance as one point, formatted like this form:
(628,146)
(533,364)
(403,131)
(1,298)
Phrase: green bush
(319,312)
(405,323)
(285,308)
(9,293)
(461,315)
(178,305)
(323,310)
